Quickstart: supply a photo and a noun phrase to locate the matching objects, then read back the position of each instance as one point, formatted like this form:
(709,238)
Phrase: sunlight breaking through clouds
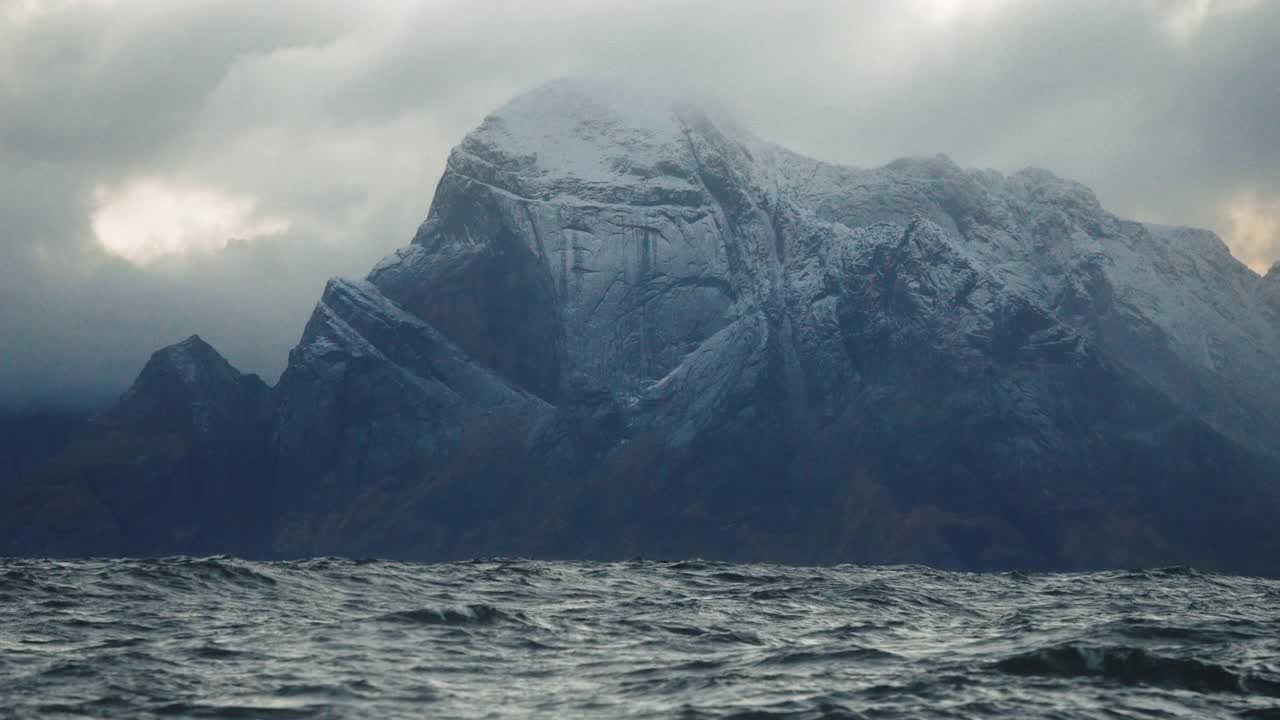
(148,219)
(1254,231)
(944,13)
(1184,19)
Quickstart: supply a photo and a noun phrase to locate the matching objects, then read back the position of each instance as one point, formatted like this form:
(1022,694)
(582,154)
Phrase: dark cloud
(337,117)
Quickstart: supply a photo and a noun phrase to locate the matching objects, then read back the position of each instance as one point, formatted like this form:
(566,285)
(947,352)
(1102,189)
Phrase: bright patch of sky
(148,219)
(1253,230)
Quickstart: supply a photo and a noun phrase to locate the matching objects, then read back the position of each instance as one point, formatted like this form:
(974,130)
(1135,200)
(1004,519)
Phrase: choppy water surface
(220,637)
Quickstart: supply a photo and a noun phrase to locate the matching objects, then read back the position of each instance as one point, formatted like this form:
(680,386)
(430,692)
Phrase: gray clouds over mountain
(311,134)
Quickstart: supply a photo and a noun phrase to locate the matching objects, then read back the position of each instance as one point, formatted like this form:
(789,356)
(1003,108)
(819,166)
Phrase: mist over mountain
(628,326)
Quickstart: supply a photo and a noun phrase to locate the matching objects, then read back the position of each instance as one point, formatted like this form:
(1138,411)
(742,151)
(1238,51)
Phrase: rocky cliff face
(630,328)
(1269,291)
(378,412)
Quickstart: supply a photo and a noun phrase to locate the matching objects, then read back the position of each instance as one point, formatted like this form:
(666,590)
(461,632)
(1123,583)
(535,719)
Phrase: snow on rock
(635,229)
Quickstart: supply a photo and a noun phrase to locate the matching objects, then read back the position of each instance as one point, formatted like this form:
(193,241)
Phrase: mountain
(630,327)
(179,465)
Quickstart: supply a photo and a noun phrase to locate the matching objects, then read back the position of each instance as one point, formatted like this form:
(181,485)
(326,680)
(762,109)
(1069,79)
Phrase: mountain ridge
(626,328)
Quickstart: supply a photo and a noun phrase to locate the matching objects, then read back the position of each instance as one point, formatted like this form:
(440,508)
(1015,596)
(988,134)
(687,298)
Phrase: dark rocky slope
(627,328)
(179,465)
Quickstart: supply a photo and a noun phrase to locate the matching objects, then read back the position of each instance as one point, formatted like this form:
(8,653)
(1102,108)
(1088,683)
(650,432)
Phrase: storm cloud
(272,145)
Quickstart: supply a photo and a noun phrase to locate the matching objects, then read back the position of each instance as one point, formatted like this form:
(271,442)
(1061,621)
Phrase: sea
(220,637)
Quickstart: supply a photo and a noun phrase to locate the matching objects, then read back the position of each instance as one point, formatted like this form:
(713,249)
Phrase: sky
(203,166)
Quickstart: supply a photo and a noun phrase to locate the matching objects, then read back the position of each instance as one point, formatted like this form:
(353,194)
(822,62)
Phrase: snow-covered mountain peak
(582,130)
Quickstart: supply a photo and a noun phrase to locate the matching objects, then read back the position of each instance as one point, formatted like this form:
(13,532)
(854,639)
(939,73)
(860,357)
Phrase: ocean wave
(182,573)
(1135,666)
(465,615)
(842,654)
